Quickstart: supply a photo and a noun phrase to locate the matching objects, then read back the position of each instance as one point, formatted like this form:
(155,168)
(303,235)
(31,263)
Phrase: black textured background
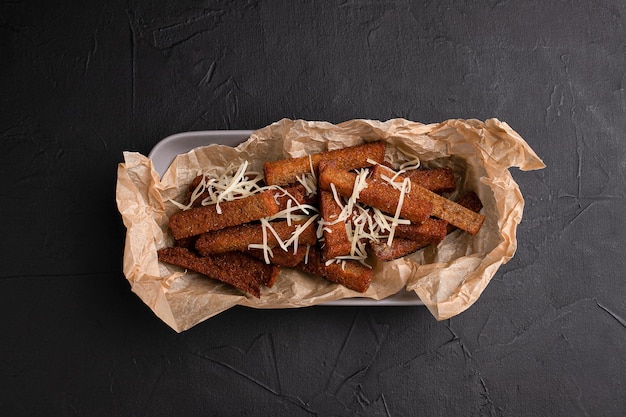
(80,82)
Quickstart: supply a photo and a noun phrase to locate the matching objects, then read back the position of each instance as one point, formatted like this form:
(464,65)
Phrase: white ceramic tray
(166,150)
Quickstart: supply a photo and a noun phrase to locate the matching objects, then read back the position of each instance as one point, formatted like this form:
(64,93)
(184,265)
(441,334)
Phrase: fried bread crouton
(207,218)
(234,268)
(240,237)
(286,171)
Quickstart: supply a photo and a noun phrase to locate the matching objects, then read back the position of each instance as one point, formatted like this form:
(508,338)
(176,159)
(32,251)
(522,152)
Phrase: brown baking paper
(448,278)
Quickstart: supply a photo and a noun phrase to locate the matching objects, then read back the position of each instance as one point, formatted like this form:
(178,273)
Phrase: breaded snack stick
(296,192)
(437,180)
(398,248)
(285,171)
(411,238)
(240,237)
(281,257)
(445,209)
(377,194)
(313,263)
(433,229)
(207,218)
(350,274)
(336,240)
(234,268)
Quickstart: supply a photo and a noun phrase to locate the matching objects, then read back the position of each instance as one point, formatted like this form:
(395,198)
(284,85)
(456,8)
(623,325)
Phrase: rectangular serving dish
(166,150)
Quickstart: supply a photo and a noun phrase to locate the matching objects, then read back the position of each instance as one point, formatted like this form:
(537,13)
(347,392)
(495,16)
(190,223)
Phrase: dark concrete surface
(80,82)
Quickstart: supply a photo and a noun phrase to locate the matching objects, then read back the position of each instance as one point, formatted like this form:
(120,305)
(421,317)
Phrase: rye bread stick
(282,196)
(350,274)
(234,268)
(401,246)
(240,237)
(432,229)
(313,263)
(281,257)
(411,238)
(443,208)
(206,218)
(448,210)
(377,194)
(285,171)
(336,240)
(437,180)
(398,248)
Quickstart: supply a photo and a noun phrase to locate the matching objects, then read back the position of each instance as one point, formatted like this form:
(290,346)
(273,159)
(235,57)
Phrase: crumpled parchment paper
(448,278)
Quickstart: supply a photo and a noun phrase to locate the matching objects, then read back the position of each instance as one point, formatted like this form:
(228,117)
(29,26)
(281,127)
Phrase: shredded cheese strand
(299,230)
(406,186)
(237,178)
(232,184)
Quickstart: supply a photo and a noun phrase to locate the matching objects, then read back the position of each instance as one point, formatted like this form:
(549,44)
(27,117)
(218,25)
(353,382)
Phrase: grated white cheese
(267,251)
(288,210)
(232,184)
(200,188)
(406,187)
(336,196)
(299,230)
(268,226)
(308,179)
(360,183)
(309,182)
(414,162)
